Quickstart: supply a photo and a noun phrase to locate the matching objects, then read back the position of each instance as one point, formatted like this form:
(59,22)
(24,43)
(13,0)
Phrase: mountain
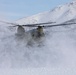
(61,13)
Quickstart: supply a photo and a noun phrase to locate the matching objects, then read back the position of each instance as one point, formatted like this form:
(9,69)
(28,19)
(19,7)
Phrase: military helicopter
(39,28)
(37,33)
(21,30)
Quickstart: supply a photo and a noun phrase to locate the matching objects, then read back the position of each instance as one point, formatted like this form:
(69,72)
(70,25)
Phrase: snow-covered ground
(55,55)
(39,71)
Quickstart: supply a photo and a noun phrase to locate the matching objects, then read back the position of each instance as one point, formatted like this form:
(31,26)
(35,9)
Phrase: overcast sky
(15,9)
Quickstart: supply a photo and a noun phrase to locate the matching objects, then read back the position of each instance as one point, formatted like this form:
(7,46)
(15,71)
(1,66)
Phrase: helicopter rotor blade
(56,25)
(9,23)
(63,24)
(38,24)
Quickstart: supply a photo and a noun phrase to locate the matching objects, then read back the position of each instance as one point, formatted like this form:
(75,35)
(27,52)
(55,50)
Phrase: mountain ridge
(59,14)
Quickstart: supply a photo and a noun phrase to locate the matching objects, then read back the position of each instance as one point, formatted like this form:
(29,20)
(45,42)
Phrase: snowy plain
(57,55)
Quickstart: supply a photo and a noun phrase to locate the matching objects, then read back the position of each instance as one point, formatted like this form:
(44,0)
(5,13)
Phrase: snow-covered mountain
(59,14)
(55,56)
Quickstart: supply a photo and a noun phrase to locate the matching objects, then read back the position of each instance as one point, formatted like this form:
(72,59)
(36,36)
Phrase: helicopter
(21,30)
(35,35)
(38,30)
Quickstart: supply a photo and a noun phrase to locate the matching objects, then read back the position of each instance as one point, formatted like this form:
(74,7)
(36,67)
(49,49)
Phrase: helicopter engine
(20,30)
